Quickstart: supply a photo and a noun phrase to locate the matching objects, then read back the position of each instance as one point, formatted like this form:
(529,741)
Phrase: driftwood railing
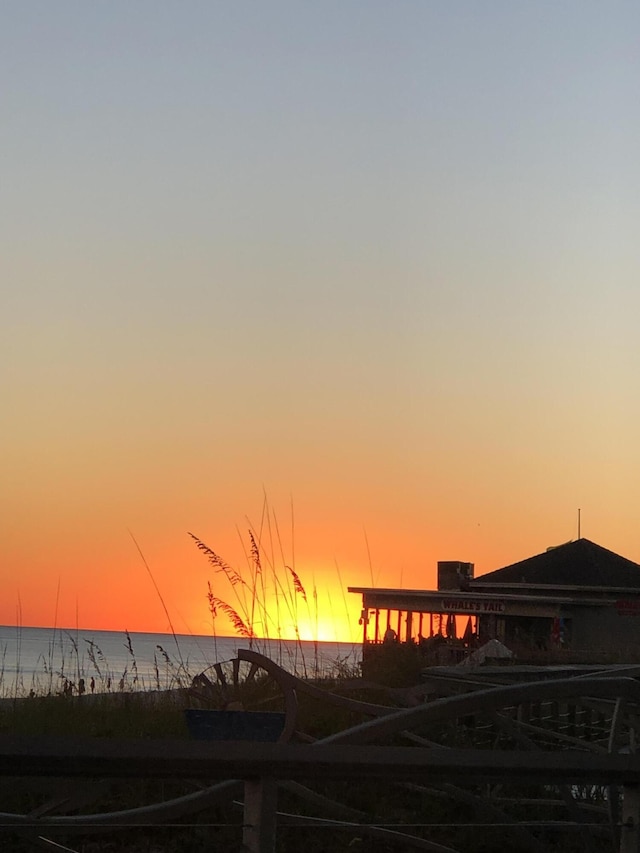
(533,739)
(260,765)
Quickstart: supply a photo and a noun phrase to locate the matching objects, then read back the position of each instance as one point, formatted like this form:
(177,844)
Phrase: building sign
(628,607)
(469,605)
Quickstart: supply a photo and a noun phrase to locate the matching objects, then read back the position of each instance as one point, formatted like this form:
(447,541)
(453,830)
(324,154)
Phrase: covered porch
(444,627)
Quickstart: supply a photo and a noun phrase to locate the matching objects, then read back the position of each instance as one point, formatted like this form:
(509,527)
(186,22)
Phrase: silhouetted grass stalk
(160,596)
(18,642)
(257,610)
(288,593)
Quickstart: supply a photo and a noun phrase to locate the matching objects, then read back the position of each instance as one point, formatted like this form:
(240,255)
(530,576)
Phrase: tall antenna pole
(578,522)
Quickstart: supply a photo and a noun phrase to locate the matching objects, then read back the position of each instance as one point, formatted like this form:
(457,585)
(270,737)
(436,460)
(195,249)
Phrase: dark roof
(577,563)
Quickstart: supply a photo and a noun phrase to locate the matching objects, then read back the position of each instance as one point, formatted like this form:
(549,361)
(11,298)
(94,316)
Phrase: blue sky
(382,257)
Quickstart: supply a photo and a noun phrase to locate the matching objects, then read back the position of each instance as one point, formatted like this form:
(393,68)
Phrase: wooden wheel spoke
(235,669)
(222,678)
(253,669)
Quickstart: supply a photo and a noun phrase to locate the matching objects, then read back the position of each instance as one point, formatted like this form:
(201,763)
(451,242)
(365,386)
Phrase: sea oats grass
(260,602)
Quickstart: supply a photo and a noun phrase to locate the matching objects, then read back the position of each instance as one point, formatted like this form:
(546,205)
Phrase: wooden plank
(102,758)
(630,829)
(260,806)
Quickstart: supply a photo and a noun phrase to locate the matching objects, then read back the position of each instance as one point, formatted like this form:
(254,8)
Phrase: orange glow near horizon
(165,589)
(102,583)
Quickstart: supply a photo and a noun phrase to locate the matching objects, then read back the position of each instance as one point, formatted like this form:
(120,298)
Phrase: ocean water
(46,660)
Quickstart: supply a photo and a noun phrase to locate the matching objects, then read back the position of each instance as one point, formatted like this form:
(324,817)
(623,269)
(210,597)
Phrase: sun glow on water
(328,630)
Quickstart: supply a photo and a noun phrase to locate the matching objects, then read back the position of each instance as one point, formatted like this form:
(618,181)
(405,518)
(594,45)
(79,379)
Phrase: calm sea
(46,660)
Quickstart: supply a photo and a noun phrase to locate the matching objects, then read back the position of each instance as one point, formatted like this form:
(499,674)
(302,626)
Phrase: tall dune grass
(256,604)
(73,666)
(267,600)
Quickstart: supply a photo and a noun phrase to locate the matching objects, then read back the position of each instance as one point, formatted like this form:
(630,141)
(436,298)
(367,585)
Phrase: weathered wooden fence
(560,735)
(259,766)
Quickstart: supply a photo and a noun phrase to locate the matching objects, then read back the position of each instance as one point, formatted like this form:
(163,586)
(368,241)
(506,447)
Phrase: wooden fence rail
(117,758)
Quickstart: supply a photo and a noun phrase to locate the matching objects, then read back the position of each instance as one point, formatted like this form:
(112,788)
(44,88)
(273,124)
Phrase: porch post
(409,624)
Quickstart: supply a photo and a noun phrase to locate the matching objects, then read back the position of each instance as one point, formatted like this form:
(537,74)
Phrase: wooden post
(630,830)
(260,803)
(409,624)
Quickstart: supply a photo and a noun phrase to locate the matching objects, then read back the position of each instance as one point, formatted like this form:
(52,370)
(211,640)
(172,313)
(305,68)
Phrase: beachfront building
(574,603)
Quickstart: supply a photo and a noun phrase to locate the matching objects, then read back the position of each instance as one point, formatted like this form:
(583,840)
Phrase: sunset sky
(370,270)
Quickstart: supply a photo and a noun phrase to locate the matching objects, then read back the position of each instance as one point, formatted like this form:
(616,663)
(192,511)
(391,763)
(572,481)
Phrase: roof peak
(579,562)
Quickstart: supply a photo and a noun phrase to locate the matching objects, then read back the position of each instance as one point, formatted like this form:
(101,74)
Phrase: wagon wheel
(248,682)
